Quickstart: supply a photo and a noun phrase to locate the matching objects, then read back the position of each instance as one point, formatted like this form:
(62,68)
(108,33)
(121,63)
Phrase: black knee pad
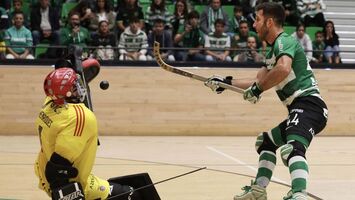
(263,142)
(292,149)
(298,149)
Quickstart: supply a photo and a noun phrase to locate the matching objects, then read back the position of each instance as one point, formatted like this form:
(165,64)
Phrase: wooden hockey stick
(181,72)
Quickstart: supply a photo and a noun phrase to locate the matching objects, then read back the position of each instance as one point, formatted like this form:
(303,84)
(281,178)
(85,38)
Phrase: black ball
(104,85)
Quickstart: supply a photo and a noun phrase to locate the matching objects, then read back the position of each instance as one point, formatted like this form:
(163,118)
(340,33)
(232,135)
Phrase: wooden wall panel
(150,101)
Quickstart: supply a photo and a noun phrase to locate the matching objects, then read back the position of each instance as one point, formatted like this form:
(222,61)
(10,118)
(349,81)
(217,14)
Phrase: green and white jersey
(133,42)
(301,81)
(21,37)
(221,42)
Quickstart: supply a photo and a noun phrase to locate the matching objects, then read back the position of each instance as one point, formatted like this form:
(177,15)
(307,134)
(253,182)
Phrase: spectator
(85,13)
(125,12)
(239,40)
(291,12)
(190,37)
(133,42)
(318,47)
(162,36)
(158,10)
(45,26)
(218,39)
(251,55)
(304,39)
(74,33)
(210,14)
(248,6)
(18,35)
(18,7)
(331,40)
(4,24)
(2,46)
(312,12)
(235,21)
(4,19)
(102,12)
(180,14)
(105,40)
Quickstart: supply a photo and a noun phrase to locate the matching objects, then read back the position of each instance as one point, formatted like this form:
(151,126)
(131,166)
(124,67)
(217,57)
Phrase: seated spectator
(162,36)
(102,12)
(304,39)
(235,21)
(218,39)
(158,10)
(239,40)
(18,39)
(45,26)
(331,40)
(190,37)
(17,6)
(105,40)
(74,33)
(291,12)
(4,19)
(210,14)
(312,12)
(4,25)
(85,13)
(180,14)
(127,10)
(251,55)
(2,46)
(133,42)
(248,6)
(318,47)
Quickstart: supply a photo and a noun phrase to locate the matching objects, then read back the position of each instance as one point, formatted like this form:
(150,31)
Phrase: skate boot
(295,196)
(252,192)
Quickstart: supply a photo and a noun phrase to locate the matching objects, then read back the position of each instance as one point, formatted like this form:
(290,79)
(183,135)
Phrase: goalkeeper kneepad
(59,170)
(292,149)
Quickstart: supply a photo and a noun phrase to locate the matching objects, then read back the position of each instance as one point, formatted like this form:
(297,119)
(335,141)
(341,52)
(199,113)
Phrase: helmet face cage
(80,89)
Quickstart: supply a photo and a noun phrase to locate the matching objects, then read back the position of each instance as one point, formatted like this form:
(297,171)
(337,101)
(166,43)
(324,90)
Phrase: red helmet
(61,84)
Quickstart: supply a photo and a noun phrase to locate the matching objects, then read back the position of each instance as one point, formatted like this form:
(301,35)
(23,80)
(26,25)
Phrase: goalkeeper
(68,136)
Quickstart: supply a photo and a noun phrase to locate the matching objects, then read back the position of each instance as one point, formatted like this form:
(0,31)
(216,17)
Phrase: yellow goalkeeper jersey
(70,131)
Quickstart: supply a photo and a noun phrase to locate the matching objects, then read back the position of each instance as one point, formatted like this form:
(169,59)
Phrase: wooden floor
(231,163)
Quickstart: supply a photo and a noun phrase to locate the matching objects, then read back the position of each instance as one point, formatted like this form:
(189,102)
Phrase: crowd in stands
(188,30)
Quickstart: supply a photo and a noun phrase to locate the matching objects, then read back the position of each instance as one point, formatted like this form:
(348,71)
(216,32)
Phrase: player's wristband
(256,89)
(228,80)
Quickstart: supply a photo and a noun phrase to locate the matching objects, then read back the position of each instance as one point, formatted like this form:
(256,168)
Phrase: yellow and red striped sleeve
(80,120)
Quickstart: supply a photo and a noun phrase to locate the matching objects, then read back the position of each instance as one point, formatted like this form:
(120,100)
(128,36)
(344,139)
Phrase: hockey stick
(76,52)
(181,72)
(156,183)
